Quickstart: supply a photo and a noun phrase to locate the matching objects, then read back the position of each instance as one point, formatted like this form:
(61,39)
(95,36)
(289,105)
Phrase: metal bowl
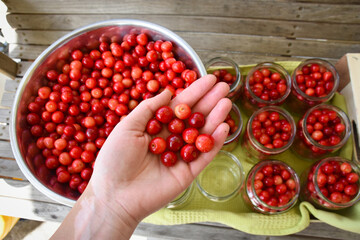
(23,144)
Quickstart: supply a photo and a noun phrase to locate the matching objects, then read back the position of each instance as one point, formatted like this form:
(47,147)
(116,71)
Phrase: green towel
(234,212)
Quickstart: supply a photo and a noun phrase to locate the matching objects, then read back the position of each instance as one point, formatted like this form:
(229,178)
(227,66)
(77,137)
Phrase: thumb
(139,117)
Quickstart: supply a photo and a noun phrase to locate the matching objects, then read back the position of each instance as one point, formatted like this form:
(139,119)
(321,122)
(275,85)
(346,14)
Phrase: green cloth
(235,214)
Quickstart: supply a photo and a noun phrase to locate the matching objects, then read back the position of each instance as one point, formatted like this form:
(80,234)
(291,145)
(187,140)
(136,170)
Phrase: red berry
(153,127)
(190,134)
(189,153)
(164,114)
(174,142)
(196,120)
(182,111)
(168,158)
(157,145)
(204,142)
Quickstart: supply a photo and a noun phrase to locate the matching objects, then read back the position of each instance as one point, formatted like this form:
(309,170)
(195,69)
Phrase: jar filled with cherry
(269,131)
(322,130)
(331,183)
(314,81)
(226,70)
(271,187)
(266,84)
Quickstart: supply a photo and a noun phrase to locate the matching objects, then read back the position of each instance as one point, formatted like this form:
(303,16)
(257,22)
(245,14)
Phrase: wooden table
(246,31)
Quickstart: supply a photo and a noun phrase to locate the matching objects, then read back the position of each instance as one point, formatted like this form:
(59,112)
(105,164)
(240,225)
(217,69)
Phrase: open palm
(136,178)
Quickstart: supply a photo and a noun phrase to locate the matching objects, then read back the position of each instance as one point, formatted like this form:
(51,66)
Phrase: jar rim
(278,68)
(329,67)
(223,198)
(258,145)
(233,65)
(343,116)
(257,168)
(354,167)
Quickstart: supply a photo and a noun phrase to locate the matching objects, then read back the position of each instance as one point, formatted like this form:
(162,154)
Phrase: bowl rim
(46,53)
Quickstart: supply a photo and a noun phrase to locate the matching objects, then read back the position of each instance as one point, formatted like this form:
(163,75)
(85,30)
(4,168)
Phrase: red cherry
(182,111)
(196,120)
(174,142)
(176,126)
(204,142)
(157,145)
(153,127)
(189,153)
(190,134)
(164,114)
(168,158)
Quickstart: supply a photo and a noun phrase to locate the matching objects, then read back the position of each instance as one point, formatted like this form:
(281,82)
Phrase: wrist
(112,215)
(96,218)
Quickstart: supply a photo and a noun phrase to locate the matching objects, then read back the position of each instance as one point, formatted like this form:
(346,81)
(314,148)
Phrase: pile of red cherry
(89,91)
(270,130)
(324,126)
(184,134)
(274,185)
(267,85)
(315,80)
(337,181)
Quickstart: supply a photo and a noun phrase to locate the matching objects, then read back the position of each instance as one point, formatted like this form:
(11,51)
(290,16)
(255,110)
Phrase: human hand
(129,182)
(134,177)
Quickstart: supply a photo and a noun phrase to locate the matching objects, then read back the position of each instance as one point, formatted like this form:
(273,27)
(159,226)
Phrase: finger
(211,98)
(139,117)
(195,91)
(217,115)
(219,135)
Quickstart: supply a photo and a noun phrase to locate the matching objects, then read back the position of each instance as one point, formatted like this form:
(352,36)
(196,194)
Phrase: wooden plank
(266,45)
(7,66)
(11,85)
(25,52)
(10,169)
(227,42)
(7,99)
(4,116)
(193,231)
(323,230)
(22,190)
(4,133)
(286,10)
(331,1)
(5,150)
(23,66)
(247,26)
(35,210)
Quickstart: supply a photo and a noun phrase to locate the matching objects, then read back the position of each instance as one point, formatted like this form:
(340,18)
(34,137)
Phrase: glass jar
(235,122)
(320,90)
(228,71)
(271,187)
(183,199)
(266,84)
(306,146)
(257,151)
(325,182)
(222,179)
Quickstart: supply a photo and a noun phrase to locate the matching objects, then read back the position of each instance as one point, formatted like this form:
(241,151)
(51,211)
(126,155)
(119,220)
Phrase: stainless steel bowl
(23,144)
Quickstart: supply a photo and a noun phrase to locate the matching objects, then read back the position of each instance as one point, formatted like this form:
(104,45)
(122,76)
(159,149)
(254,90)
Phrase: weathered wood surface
(231,25)
(31,52)
(247,31)
(284,10)
(229,42)
(7,65)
